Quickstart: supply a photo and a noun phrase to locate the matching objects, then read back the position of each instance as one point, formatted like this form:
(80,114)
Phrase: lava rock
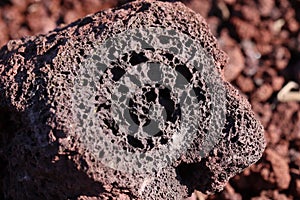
(46,151)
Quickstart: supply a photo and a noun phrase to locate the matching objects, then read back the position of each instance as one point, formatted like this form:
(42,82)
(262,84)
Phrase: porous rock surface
(43,155)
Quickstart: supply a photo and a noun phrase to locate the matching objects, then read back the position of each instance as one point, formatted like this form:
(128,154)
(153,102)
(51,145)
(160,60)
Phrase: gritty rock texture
(42,154)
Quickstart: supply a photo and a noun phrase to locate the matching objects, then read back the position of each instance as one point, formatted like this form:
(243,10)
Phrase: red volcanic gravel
(262,39)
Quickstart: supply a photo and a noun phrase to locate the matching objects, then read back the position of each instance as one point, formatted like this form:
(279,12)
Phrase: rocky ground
(262,40)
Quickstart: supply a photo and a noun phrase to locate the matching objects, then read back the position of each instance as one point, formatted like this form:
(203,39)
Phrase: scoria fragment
(126,103)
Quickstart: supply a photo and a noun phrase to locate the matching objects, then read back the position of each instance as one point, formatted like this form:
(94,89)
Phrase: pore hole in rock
(194,175)
(139,110)
(137,58)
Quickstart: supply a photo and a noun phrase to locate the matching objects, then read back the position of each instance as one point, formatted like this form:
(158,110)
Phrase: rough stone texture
(42,156)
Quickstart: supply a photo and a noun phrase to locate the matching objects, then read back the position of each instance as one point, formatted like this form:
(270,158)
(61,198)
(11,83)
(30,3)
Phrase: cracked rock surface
(45,152)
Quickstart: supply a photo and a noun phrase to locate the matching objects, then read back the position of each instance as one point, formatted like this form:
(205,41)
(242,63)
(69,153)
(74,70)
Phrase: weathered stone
(45,152)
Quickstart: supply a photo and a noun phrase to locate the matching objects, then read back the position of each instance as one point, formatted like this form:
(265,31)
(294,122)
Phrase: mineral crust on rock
(63,137)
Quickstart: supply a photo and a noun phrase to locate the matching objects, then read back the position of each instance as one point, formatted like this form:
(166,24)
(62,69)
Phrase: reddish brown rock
(263,93)
(4,35)
(230,194)
(264,49)
(202,7)
(250,13)
(277,83)
(271,194)
(280,168)
(245,84)
(244,29)
(38,19)
(285,114)
(282,57)
(273,134)
(266,7)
